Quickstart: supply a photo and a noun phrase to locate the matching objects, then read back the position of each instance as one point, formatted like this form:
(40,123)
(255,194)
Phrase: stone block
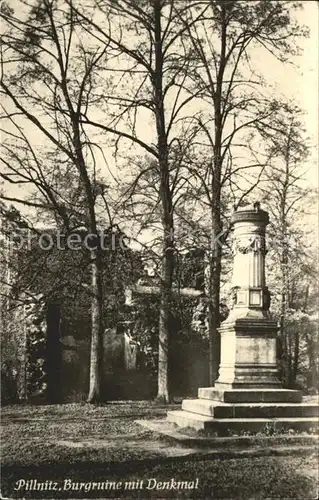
(188,419)
(218,393)
(207,408)
(248,353)
(248,410)
(274,410)
(226,426)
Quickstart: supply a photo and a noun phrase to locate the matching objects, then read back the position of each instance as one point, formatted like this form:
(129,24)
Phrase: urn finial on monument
(248,335)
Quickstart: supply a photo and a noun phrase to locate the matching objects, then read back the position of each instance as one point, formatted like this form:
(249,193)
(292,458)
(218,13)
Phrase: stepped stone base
(238,410)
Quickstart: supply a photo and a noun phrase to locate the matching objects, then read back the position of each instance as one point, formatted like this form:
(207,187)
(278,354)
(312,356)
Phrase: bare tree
(233,104)
(147,39)
(49,78)
(287,196)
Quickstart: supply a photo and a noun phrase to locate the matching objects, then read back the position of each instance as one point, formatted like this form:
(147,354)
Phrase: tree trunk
(96,361)
(295,361)
(163,336)
(215,248)
(96,357)
(285,361)
(215,256)
(167,211)
(312,377)
(214,300)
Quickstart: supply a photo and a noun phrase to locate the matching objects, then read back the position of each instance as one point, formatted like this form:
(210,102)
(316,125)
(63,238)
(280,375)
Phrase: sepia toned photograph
(159,245)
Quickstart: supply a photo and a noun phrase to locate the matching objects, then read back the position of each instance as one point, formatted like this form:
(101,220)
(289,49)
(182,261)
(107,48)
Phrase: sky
(302,83)
(298,81)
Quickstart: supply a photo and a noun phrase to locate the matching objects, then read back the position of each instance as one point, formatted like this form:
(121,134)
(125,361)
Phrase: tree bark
(295,363)
(163,393)
(96,358)
(213,313)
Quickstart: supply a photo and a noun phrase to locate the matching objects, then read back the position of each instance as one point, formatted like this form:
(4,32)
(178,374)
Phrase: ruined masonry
(248,395)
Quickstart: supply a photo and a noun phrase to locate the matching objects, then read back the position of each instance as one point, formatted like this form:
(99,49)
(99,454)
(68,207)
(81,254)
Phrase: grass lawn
(61,446)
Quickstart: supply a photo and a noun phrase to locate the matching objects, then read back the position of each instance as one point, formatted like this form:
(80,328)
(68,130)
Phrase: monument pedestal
(247,395)
(248,353)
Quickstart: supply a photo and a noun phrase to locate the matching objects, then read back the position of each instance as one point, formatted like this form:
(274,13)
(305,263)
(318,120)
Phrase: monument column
(248,335)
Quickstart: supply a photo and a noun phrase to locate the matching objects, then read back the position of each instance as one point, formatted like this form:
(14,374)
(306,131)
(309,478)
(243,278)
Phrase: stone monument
(248,336)
(247,394)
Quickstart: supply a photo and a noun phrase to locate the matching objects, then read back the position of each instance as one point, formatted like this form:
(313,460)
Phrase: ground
(61,446)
